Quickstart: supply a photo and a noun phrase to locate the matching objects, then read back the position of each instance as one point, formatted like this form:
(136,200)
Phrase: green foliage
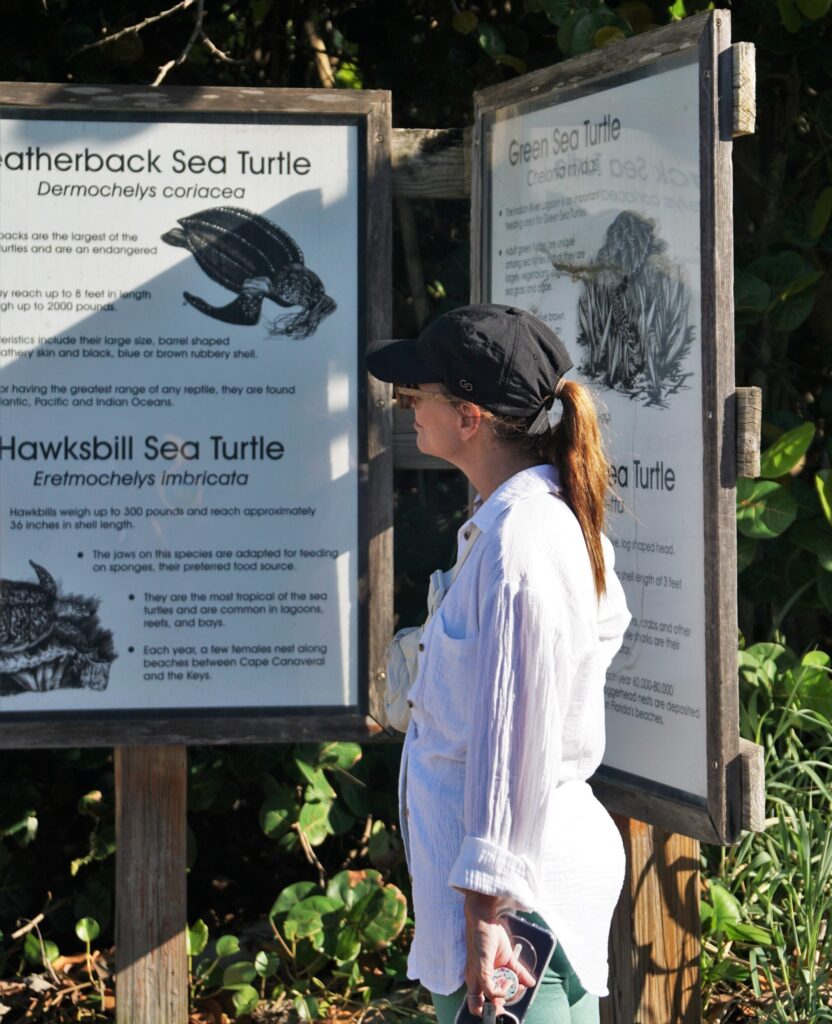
(786,453)
(330,946)
(197,938)
(39,951)
(356,916)
(214,972)
(768,898)
(312,810)
(792,567)
(87,929)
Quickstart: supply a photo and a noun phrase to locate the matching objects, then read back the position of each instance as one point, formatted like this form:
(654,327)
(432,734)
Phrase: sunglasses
(407,398)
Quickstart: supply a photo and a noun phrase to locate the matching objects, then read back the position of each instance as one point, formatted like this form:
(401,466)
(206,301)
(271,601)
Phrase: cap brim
(399,362)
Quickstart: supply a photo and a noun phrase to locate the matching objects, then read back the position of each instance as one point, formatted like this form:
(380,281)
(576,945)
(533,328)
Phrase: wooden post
(655,939)
(749,403)
(151,906)
(744,87)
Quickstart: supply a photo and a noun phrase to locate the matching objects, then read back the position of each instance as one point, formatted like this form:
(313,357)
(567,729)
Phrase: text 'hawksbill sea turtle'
(258,260)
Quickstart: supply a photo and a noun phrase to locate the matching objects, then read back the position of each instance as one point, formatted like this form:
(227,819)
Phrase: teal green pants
(560,1000)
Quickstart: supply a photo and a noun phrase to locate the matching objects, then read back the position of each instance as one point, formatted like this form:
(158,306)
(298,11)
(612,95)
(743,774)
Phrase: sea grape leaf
(266,964)
(245,999)
(290,896)
(307,919)
(350,887)
(385,917)
(823,485)
(339,755)
(278,811)
(779,269)
(789,314)
(490,39)
(314,820)
(750,292)
(781,457)
(87,929)
(764,508)
(227,945)
(39,952)
(240,973)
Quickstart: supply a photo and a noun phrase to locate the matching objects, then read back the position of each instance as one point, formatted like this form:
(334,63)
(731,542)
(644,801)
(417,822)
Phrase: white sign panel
(179,324)
(595,225)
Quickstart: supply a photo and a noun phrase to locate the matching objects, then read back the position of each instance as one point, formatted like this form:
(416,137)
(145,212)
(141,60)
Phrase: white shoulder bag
(403,652)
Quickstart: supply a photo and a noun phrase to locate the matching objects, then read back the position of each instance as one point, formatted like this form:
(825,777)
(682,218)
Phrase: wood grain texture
(655,938)
(176,98)
(644,806)
(753,786)
(718,428)
(628,54)
(216,729)
(749,412)
(150,899)
(744,89)
(413,260)
(432,163)
(377,587)
(480,229)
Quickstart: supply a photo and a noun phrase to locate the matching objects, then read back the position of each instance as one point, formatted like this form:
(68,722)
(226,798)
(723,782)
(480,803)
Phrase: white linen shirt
(507,725)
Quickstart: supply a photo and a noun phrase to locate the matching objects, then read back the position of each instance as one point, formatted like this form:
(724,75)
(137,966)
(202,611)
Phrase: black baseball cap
(505,359)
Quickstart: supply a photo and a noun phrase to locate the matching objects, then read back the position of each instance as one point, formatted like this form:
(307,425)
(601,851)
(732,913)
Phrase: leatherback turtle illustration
(258,260)
(49,641)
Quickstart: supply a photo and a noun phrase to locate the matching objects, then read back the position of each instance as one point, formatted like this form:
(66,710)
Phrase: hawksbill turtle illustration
(258,260)
(46,638)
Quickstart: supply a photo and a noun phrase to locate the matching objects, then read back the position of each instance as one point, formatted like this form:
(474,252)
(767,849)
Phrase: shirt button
(410,703)
(421,647)
(467,534)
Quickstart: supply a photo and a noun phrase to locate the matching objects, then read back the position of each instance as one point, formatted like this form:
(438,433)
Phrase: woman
(508,705)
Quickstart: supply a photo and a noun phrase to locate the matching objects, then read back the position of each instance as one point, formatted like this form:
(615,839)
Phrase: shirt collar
(541,479)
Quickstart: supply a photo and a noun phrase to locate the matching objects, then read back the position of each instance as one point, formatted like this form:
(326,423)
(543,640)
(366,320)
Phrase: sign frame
(717,819)
(370,112)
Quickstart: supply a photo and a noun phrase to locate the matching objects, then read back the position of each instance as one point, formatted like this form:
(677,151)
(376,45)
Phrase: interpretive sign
(602,201)
(185,422)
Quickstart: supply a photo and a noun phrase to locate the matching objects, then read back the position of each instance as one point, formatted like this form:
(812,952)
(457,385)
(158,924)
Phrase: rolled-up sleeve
(515,741)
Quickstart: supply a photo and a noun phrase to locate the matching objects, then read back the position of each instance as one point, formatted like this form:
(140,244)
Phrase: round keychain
(508,981)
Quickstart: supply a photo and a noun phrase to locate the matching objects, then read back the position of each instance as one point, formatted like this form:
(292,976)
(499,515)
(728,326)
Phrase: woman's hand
(488,947)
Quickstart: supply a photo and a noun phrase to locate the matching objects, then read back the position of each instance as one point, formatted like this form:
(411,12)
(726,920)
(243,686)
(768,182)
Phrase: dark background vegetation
(56,830)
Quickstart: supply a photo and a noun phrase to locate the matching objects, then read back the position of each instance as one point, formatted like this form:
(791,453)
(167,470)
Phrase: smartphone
(537,945)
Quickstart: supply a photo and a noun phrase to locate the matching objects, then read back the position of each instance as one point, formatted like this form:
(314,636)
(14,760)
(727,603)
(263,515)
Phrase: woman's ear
(471,418)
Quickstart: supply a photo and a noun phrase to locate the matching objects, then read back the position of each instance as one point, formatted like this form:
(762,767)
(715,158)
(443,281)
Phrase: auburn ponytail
(576,448)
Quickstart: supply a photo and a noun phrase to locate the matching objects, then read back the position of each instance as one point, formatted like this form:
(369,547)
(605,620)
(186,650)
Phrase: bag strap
(474,532)
(440,582)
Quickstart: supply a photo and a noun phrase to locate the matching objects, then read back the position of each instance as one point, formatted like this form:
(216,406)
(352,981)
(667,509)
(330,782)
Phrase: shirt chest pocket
(448,680)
